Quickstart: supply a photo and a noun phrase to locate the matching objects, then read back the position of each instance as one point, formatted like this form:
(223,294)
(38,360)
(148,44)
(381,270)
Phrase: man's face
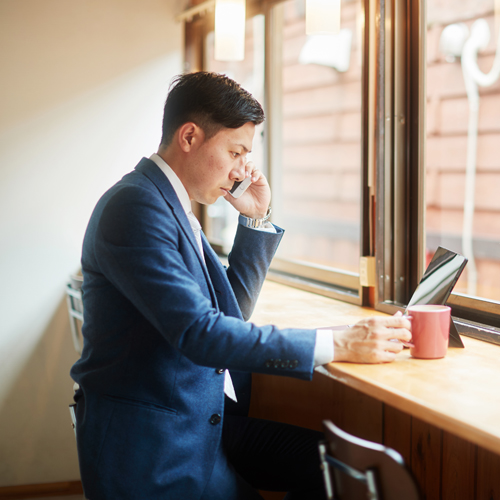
(217,163)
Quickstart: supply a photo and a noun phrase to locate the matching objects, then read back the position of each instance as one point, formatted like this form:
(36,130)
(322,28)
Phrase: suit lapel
(160,180)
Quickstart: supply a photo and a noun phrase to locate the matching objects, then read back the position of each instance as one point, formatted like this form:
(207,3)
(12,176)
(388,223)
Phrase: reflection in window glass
(320,173)
(222,219)
(463,133)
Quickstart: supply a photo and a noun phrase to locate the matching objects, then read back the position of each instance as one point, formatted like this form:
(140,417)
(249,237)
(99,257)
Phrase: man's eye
(235,155)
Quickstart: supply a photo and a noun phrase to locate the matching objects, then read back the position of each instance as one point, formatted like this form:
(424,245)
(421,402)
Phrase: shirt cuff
(267,228)
(323,350)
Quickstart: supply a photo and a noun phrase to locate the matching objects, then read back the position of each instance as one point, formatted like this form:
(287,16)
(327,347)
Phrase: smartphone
(239,187)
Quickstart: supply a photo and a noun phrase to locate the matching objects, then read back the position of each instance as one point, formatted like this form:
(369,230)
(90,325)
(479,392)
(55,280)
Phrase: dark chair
(356,469)
(75,310)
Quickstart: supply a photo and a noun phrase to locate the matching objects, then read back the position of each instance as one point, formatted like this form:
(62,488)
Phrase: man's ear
(189,135)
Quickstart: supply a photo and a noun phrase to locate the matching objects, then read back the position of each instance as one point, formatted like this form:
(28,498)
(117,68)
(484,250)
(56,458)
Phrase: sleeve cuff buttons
(282,363)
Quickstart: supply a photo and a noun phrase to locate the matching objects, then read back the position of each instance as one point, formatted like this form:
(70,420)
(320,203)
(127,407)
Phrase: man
(165,321)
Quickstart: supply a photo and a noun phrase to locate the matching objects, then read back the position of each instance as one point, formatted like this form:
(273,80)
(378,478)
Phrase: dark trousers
(272,456)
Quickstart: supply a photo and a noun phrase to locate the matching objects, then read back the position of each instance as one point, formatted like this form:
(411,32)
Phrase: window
(316,113)
(318,186)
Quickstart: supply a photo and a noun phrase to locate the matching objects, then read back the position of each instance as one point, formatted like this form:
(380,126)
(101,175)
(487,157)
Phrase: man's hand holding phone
(253,194)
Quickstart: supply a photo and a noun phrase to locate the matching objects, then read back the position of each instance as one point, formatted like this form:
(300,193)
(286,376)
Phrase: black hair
(212,101)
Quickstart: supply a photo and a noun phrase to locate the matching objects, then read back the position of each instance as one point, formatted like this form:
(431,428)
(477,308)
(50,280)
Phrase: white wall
(83,86)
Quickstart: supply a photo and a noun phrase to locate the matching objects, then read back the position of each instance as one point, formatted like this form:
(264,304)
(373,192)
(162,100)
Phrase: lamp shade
(229,30)
(322,17)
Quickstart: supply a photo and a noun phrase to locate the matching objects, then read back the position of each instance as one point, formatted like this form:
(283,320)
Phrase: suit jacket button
(294,363)
(220,371)
(269,363)
(285,364)
(277,363)
(215,419)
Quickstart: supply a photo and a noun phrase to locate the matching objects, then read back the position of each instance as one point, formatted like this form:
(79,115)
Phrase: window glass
(317,199)
(463,134)
(221,218)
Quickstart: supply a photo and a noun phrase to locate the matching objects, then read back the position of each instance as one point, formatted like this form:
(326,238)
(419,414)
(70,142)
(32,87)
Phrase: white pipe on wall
(456,42)
(473,77)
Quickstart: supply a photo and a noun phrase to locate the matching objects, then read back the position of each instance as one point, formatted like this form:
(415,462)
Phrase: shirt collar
(179,188)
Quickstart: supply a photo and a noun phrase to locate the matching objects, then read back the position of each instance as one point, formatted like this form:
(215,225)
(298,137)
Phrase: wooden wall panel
(292,401)
(397,432)
(458,468)
(488,475)
(361,414)
(426,443)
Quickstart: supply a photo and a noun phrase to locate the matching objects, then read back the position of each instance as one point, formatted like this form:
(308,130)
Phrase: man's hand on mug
(371,340)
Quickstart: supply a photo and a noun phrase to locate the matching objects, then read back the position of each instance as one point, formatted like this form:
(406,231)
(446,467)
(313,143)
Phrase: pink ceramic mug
(430,330)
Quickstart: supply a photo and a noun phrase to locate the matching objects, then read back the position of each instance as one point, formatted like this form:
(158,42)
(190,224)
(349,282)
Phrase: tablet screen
(439,278)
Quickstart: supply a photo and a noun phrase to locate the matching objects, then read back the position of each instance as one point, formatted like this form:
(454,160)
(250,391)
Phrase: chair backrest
(75,309)
(355,469)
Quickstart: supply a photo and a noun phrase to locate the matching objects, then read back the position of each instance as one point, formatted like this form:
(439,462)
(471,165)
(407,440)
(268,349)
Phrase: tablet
(438,281)
(439,278)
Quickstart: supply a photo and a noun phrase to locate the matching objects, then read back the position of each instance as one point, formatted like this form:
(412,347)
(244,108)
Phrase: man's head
(210,100)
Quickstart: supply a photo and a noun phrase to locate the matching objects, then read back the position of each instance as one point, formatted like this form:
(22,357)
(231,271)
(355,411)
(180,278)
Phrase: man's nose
(238,172)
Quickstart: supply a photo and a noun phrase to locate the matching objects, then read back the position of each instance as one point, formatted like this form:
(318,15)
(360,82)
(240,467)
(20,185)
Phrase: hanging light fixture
(229,30)
(322,17)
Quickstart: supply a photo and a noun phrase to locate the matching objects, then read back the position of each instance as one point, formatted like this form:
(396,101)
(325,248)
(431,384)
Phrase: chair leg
(326,471)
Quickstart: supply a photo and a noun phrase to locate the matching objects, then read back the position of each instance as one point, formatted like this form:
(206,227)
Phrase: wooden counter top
(459,393)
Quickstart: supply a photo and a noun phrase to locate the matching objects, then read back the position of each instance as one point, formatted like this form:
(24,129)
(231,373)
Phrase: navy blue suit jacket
(159,323)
